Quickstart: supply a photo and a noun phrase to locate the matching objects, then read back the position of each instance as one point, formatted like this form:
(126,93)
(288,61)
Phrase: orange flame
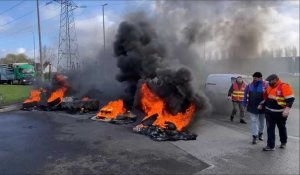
(34,96)
(60,92)
(112,109)
(152,104)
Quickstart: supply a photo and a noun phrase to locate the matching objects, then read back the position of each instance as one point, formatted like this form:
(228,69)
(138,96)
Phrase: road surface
(60,143)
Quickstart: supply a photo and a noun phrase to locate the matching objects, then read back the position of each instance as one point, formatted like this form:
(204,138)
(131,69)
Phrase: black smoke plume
(142,58)
(139,53)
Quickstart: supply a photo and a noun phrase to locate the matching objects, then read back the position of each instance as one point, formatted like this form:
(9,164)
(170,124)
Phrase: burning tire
(30,105)
(157,133)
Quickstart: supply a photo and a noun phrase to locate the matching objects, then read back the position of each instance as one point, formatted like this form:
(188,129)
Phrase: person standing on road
(236,95)
(253,96)
(278,100)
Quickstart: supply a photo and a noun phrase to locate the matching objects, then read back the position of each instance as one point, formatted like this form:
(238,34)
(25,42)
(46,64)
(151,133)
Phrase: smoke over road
(142,57)
(169,48)
(139,53)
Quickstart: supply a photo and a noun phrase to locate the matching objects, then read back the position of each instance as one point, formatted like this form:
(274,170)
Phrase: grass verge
(10,94)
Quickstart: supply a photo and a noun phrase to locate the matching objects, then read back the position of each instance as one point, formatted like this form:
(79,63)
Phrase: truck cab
(24,73)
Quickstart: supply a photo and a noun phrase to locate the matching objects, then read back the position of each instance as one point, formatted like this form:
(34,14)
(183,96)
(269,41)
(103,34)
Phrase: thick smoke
(176,36)
(139,54)
(175,88)
(96,79)
(142,57)
(202,30)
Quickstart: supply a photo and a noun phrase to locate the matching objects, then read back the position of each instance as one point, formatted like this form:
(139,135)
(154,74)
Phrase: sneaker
(282,146)
(260,136)
(254,141)
(231,118)
(243,121)
(267,148)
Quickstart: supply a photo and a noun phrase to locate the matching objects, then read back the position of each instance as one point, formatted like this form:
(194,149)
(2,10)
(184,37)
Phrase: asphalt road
(59,143)
(227,147)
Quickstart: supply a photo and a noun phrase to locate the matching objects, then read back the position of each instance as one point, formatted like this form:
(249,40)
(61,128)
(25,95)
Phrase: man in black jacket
(253,96)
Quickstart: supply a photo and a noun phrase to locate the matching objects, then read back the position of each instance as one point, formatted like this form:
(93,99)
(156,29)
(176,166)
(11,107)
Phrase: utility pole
(204,49)
(103,26)
(40,39)
(33,46)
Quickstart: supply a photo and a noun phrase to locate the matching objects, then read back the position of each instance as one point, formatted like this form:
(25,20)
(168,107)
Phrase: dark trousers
(273,119)
(238,106)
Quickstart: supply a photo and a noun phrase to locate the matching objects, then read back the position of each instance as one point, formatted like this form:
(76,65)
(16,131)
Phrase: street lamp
(103,25)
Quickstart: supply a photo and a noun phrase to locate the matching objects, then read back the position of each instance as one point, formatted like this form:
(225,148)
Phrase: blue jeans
(257,123)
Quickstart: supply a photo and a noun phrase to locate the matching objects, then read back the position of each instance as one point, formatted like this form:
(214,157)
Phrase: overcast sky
(18,22)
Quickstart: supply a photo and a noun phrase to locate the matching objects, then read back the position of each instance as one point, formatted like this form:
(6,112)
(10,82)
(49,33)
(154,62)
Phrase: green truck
(20,73)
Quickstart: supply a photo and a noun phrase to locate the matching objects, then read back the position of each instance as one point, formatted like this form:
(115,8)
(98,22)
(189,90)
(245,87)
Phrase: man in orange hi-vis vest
(236,95)
(278,100)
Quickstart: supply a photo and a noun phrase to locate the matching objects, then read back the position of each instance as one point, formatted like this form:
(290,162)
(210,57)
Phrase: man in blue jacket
(253,96)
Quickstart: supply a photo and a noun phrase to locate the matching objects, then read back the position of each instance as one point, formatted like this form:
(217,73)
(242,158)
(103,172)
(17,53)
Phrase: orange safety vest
(238,93)
(279,94)
(279,97)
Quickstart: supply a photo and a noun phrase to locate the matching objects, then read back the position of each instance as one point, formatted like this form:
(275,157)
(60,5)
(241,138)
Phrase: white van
(216,89)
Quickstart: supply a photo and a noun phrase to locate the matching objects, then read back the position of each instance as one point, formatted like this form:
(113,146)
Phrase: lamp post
(103,25)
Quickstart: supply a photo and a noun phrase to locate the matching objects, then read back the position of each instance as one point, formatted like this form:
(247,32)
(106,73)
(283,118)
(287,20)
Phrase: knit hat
(272,77)
(257,75)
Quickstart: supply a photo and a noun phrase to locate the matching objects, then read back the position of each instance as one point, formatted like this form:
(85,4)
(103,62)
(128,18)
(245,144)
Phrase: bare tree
(266,53)
(50,54)
(288,51)
(278,52)
(272,53)
(294,51)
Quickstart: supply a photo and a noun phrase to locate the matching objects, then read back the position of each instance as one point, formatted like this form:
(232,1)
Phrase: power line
(25,29)
(20,17)
(14,6)
(124,3)
(30,12)
(30,26)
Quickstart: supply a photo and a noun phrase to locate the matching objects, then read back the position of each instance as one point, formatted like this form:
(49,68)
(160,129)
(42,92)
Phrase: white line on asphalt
(294,137)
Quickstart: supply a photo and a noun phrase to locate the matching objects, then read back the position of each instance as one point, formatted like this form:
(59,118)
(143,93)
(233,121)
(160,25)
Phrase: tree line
(49,56)
(280,52)
(16,58)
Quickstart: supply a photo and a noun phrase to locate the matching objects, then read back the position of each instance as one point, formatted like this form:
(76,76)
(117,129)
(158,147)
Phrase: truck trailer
(17,73)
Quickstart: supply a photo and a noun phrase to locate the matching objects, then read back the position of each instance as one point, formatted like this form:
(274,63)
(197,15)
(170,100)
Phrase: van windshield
(246,79)
(27,71)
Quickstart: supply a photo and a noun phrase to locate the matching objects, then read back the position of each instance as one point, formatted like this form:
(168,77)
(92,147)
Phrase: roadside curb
(10,108)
